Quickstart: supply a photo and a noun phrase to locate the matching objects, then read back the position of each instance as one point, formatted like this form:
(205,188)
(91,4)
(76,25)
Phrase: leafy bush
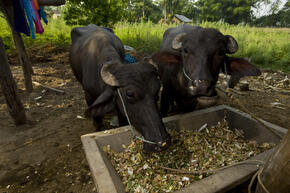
(99,12)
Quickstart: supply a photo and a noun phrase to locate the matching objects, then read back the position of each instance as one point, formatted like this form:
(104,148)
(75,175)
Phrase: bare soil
(46,155)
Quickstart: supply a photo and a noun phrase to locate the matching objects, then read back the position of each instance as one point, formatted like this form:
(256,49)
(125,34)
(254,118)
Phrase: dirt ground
(46,155)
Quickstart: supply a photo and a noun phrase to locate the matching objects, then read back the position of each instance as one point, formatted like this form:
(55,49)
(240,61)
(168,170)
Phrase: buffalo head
(200,54)
(138,85)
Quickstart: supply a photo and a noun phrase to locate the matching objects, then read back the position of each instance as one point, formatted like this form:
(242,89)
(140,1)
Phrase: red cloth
(36,4)
(38,26)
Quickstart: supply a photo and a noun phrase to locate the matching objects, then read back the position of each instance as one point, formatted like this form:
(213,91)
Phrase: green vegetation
(279,19)
(230,11)
(99,12)
(56,32)
(267,47)
(108,13)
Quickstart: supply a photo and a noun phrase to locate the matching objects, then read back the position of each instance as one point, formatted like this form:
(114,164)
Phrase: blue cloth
(129,59)
(42,14)
(30,15)
(20,22)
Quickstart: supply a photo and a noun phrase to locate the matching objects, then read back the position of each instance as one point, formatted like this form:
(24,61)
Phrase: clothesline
(28,10)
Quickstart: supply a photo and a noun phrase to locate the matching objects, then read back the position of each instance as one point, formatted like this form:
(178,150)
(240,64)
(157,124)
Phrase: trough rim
(104,182)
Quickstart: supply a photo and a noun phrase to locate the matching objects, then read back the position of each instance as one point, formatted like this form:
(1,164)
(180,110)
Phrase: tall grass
(56,32)
(266,47)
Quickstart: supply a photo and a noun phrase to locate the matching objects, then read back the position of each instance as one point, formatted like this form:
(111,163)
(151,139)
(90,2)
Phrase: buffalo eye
(130,95)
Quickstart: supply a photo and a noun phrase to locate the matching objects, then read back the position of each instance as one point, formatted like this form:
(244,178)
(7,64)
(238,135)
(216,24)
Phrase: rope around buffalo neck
(133,130)
(226,72)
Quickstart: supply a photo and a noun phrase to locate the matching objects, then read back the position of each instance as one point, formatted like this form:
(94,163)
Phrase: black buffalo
(190,60)
(96,58)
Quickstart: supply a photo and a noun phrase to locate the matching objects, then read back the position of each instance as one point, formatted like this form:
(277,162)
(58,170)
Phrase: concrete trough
(107,180)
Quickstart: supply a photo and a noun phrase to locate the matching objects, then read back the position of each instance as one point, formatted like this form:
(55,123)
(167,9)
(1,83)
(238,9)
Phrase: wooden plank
(99,171)
(227,179)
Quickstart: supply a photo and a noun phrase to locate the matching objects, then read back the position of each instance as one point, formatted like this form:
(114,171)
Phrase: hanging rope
(226,72)
(257,174)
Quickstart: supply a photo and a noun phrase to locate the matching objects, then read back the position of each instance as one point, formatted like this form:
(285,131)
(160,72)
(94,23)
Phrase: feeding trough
(107,180)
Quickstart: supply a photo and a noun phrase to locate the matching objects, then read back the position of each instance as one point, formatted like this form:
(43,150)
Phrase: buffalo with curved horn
(189,62)
(96,58)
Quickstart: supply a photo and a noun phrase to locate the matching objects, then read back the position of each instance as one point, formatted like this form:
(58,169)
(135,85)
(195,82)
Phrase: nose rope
(226,72)
(186,75)
(133,130)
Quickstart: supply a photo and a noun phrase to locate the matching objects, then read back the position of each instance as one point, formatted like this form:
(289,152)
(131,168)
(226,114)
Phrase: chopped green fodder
(212,148)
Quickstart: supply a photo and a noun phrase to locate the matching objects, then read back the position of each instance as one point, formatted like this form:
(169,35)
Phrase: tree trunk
(9,89)
(19,44)
(276,173)
(143,9)
(165,14)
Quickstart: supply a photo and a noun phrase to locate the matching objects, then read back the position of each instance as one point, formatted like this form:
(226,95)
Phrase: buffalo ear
(107,73)
(232,45)
(238,68)
(177,41)
(102,105)
(166,57)
(241,66)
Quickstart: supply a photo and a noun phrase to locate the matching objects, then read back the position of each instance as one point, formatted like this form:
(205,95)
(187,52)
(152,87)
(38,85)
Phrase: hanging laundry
(42,14)
(36,4)
(30,15)
(20,22)
(38,26)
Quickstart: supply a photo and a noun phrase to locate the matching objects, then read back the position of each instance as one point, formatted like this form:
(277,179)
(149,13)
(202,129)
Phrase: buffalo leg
(98,120)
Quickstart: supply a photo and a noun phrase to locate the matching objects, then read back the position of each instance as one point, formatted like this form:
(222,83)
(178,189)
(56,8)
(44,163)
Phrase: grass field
(267,47)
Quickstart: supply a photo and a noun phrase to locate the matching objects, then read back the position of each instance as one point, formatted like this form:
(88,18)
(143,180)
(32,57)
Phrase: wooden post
(9,89)
(276,173)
